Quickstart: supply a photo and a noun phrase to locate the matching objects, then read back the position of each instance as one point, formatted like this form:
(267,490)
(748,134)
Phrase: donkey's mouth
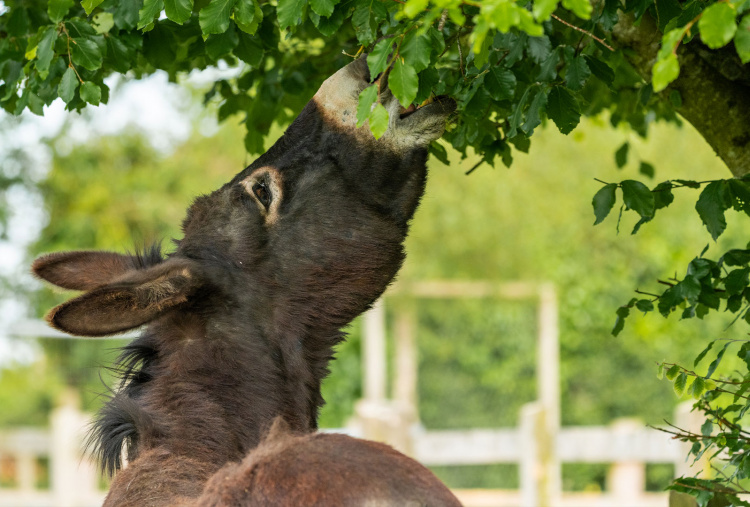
(441,104)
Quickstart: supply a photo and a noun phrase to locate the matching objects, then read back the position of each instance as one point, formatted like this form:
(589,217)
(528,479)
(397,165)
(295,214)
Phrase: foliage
(508,63)
(708,287)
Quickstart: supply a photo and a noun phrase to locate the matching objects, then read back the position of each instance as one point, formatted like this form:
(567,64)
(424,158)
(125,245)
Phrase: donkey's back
(324,469)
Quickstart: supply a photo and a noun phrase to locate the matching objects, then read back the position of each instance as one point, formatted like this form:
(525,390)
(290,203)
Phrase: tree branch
(718,107)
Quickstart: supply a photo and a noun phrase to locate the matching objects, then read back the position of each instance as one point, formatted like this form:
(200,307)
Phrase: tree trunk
(714,89)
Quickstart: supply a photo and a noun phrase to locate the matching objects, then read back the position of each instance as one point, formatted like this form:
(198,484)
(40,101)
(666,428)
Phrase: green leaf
(68,84)
(581,8)
(715,363)
(249,50)
(500,83)
(416,49)
(403,82)
(622,314)
(621,155)
(367,98)
(698,387)
(365,19)
(214,18)
(672,372)
(660,371)
(17,24)
(734,303)
(562,109)
(377,60)
(717,25)
(638,197)
(578,73)
(414,7)
(86,53)
(548,68)
(742,39)
(703,353)
(737,280)
(666,10)
(543,9)
(178,11)
(290,12)
(539,48)
(57,9)
(103,22)
(600,70)
(90,5)
(428,78)
(126,14)
(711,205)
(679,384)
(603,202)
(323,7)
(515,119)
(647,170)
(532,114)
(150,10)
(330,25)
(91,93)
(218,45)
(663,195)
(46,50)
(378,121)
(664,72)
(248,15)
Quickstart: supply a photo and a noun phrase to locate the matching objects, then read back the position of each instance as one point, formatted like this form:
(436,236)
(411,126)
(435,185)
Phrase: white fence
(538,445)
(627,446)
(72,479)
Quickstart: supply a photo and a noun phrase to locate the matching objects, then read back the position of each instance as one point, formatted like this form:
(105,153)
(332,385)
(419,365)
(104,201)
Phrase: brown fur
(242,319)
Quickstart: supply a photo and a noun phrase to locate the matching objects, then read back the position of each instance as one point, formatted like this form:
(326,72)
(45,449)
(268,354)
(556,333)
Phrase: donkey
(242,318)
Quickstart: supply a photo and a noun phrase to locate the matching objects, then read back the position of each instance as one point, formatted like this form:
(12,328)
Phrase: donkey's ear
(129,302)
(82,270)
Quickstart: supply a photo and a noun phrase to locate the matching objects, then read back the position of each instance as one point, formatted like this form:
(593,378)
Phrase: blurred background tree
(476,358)
(511,65)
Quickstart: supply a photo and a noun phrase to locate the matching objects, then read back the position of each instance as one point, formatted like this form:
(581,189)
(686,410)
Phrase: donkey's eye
(261,191)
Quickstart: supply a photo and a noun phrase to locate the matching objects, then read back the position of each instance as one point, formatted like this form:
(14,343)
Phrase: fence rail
(626,445)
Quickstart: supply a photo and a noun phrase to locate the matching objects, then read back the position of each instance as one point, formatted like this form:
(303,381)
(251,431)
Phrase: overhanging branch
(718,107)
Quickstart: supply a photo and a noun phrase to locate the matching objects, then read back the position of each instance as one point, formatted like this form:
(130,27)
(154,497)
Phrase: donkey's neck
(209,391)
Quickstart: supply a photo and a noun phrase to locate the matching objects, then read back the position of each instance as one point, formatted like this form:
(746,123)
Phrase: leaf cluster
(509,64)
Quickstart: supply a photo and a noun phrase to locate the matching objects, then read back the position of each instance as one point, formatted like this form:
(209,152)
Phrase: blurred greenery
(476,357)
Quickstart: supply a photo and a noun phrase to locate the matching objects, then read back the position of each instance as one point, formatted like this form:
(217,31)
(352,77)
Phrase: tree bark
(716,105)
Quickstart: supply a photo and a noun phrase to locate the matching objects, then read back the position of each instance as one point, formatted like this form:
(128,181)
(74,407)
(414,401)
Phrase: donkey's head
(310,233)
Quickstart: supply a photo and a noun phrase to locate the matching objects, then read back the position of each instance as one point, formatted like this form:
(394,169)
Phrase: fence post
(73,478)
(26,472)
(548,390)
(689,420)
(626,480)
(533,467)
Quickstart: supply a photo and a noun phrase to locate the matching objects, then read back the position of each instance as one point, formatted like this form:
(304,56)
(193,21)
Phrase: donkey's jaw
(338,98)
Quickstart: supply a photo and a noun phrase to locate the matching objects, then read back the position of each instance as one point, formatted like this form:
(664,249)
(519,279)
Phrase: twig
(597,39)
(657,296)
(443,17)
(460,57)
(474,167)
(70,58)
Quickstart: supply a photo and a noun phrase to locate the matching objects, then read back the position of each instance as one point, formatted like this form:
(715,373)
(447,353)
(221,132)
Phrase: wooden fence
(626,446)
(538,445)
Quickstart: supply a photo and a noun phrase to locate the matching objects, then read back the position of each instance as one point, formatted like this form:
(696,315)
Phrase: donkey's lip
(442,105)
